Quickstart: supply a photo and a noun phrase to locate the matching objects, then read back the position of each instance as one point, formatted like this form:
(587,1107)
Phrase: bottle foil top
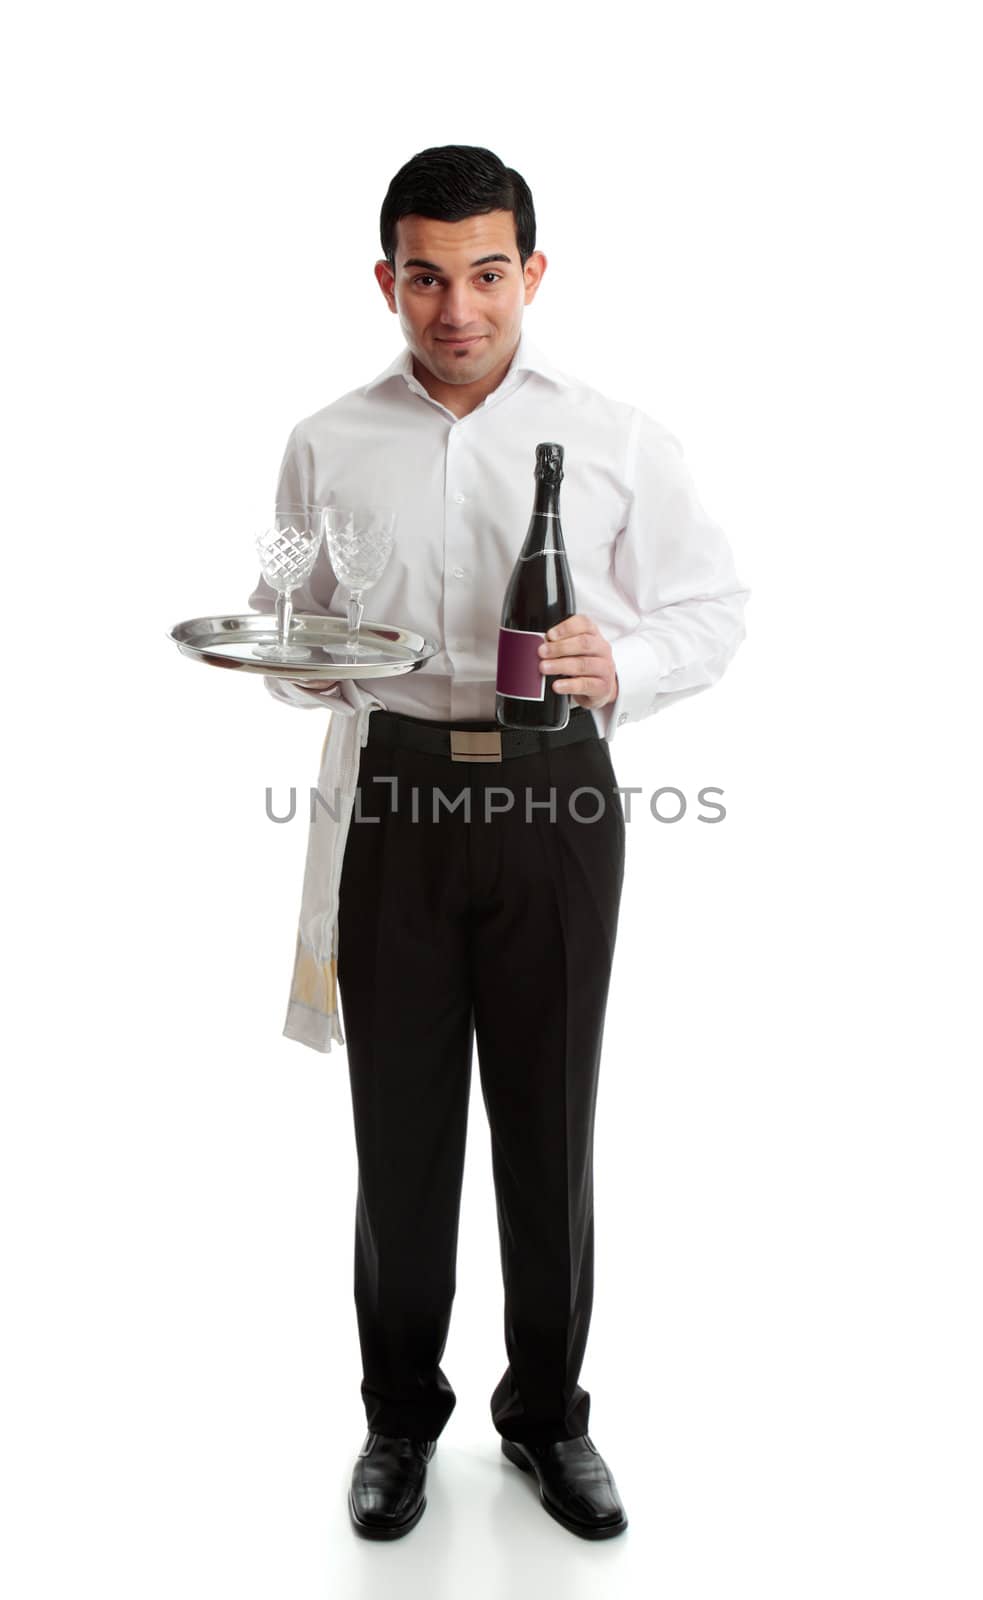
(549,462)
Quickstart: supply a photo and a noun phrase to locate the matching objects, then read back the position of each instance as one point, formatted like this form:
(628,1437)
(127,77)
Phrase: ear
(386,281)
(533,274)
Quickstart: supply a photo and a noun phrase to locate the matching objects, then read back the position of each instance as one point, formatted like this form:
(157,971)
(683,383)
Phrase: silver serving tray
(385,649)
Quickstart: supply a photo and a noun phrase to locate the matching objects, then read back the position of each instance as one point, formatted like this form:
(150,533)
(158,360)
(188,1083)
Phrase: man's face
(459,291)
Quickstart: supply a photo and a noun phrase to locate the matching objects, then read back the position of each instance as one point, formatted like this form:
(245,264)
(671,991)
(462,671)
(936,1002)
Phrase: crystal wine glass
(360,542)
(287,550)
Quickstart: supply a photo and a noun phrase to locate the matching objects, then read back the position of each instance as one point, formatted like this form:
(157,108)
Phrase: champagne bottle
(539,595)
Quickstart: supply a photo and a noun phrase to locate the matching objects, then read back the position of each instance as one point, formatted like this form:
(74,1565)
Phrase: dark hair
(452,181)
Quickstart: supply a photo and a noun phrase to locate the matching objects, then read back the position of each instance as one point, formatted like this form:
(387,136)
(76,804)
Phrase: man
(496,924)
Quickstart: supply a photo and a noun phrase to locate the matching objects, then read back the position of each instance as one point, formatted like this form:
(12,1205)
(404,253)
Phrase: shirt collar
(528,358)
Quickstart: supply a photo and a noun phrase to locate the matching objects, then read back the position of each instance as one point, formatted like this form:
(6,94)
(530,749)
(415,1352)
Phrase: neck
(461,398)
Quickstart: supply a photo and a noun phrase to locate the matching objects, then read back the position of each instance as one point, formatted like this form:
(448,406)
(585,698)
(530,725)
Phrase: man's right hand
(314,684)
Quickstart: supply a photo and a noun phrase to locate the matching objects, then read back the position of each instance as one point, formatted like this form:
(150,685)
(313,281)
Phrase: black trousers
(500,926)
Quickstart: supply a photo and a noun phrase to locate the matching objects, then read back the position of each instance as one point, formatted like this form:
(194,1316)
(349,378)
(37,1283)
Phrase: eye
(428,277)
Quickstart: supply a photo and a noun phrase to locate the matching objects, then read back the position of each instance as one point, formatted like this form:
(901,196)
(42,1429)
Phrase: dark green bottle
(540,594)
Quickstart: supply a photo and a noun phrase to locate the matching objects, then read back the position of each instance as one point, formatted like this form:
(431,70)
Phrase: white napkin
(312,1012)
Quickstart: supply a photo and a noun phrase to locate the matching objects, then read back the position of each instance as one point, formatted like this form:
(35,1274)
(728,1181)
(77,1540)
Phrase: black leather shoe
(386,1498)
(575,1484)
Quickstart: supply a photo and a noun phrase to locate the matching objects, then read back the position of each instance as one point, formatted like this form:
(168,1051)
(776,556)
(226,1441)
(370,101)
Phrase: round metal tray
(385,649)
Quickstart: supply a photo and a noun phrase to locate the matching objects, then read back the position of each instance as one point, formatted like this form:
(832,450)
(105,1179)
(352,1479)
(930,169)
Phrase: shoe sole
(607,1530)
(378,1530)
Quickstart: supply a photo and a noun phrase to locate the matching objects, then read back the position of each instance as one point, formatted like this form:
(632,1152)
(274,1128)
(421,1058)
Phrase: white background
(760,225)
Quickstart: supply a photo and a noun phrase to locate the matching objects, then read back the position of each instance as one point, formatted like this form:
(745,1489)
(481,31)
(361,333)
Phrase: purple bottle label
(518,673)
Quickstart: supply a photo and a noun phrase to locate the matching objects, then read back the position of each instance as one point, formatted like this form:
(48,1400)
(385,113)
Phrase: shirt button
(459,572)
(459,499)
(623,718)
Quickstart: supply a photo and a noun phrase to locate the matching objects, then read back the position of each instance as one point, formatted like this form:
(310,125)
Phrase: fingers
(585,640)
(592,687)
(577,648)
(578,623)
(579,668)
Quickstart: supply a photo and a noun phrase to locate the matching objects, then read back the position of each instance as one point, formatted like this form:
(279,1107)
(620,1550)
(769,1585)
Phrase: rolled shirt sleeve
(675,569)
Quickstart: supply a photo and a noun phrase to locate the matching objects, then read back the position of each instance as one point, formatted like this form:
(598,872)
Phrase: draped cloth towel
(313,1016)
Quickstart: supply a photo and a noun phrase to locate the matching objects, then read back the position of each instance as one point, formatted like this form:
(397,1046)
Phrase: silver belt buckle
(475,746)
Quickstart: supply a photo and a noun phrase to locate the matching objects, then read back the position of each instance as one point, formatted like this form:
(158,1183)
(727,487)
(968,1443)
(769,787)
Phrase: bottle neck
(547,501)
(544,525)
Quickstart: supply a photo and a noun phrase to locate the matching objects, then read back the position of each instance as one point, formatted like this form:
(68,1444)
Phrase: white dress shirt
(648,564)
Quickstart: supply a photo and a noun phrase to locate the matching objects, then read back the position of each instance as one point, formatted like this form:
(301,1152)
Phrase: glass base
(284,652)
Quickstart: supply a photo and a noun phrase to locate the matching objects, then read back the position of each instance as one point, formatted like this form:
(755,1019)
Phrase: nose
(456,308)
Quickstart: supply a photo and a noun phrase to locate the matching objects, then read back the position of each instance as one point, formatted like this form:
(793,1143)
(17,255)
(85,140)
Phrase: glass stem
(355,609)
(284,611)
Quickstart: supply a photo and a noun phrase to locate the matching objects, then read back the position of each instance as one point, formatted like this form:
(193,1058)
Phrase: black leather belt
(476,741)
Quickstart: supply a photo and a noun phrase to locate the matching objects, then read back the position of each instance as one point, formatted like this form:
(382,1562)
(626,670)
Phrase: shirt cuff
(637,666)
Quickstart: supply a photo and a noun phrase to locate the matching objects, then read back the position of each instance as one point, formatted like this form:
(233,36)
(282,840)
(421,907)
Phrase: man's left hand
(576,646)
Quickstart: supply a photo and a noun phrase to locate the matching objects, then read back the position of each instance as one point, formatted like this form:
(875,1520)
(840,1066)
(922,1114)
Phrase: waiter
(492,916)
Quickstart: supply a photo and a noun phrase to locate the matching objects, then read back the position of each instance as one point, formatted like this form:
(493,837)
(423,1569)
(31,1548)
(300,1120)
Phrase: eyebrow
(431,266)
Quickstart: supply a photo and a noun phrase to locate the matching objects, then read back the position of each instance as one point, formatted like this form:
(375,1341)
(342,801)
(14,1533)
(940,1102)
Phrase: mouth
(473,340)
